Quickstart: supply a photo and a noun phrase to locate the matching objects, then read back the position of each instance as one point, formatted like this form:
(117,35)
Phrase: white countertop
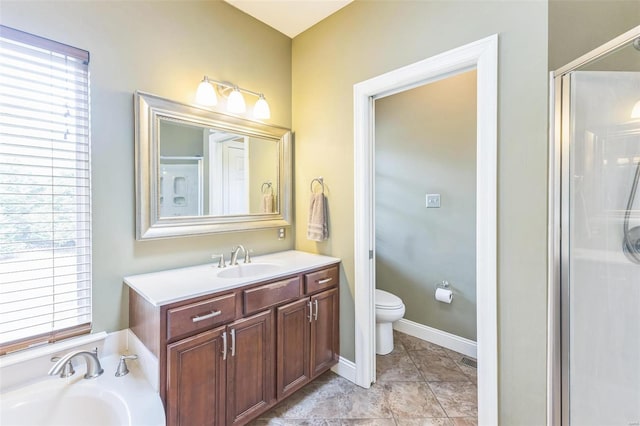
(173,285)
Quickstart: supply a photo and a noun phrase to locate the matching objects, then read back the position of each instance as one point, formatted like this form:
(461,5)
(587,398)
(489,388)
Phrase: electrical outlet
(433,201)
(281,233)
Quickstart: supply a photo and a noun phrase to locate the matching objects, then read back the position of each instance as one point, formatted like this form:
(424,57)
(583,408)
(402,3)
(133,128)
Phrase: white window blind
(45,204)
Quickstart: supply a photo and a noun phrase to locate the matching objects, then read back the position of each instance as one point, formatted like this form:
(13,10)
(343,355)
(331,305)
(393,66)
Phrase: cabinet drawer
(188,319)
(320,280)
(272,294)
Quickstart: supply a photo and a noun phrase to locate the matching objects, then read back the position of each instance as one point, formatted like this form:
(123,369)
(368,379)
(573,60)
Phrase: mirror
(206,171)
(198,171)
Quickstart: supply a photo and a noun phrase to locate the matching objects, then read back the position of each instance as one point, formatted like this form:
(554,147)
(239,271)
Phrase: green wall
(164,48)
(577,27)
(263,155)
(426,143)
(366,39)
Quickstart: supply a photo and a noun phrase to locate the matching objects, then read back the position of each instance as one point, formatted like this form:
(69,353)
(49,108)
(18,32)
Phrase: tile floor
(418,384)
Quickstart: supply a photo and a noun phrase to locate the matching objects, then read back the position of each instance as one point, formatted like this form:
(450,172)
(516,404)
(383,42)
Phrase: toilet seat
(387,301)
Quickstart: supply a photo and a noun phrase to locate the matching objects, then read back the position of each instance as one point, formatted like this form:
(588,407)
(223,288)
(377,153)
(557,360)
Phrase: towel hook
(320,180)
(268,186)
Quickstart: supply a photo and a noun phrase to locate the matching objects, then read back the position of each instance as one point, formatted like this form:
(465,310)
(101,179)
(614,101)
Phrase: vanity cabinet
(324,331)
(196,383)
(227,357)
(307,340)
(250,368)
(230,363)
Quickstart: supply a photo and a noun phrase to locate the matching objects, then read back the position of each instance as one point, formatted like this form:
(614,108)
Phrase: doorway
(425,208)
(481,56)
(229,183)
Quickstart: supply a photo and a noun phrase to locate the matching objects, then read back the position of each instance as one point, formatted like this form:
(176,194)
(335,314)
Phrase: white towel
(267,203)
(317,229)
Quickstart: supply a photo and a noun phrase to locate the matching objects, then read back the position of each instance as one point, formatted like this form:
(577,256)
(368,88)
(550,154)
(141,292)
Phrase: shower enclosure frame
(558,237)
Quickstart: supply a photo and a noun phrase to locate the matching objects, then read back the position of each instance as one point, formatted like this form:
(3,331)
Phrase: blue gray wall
(426,143)
(164,48)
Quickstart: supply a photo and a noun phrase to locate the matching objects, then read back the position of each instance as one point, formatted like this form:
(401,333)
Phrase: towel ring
(268,186)
(320,180)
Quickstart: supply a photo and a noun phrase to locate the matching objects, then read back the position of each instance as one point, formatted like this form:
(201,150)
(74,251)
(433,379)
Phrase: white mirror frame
(483,56)
(148,109)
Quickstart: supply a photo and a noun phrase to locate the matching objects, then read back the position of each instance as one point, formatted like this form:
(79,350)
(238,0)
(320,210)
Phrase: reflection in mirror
(212,172)
(198,171)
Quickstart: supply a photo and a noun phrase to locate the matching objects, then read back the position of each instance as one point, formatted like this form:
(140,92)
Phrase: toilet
(389,308)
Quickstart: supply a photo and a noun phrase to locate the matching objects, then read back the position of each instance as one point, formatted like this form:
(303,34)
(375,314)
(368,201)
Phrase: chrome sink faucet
(94,369)
(234,255)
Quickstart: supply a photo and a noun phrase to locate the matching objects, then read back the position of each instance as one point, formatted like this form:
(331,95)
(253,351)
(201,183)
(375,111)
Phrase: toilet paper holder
(443,284)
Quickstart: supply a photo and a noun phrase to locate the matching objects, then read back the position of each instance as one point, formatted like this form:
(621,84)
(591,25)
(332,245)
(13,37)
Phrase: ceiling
(290,17)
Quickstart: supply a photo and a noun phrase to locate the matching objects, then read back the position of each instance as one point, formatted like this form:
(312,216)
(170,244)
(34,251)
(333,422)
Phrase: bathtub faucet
(94,369)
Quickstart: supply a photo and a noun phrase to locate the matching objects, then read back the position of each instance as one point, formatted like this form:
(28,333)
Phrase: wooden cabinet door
(324,331)
(293,328)
(250,367)
(196,380)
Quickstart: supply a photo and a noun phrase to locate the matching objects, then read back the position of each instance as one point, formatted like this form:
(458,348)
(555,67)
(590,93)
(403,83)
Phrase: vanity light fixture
(261,108)
(206,95)
(235,102)
(635,112)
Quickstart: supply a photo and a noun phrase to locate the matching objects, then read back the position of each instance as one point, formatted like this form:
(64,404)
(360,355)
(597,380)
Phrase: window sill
(49,349)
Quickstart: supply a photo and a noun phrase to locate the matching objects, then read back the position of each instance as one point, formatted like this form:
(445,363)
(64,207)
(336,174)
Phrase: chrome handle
(220,258)
(67,370)
(224,346)
(326,280)
(122,369)
(315,316)
(198,318)
(233,342)
(310,310)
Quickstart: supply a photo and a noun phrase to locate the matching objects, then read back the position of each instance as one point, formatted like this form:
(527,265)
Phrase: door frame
(558,235)
(481,55)
(219,163)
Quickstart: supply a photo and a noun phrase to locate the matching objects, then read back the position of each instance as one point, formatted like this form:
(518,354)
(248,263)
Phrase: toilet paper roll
(444,295)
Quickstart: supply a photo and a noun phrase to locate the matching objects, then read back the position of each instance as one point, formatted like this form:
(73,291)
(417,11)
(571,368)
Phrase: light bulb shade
(261,109)
(235,103)
(206,94)
(635,112)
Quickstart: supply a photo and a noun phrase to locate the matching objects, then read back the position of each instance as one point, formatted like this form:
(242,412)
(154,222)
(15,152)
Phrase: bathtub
(104,401)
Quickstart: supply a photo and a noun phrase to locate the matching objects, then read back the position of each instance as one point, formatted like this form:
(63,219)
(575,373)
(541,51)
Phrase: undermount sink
(246,270)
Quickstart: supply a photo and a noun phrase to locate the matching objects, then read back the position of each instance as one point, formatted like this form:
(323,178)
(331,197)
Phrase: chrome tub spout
(94,369)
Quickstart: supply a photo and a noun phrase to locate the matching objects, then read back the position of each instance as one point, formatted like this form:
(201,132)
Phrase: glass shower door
(601,249)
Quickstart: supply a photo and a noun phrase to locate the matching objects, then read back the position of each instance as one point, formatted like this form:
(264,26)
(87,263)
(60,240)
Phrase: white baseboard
(346,369)
(439,337)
